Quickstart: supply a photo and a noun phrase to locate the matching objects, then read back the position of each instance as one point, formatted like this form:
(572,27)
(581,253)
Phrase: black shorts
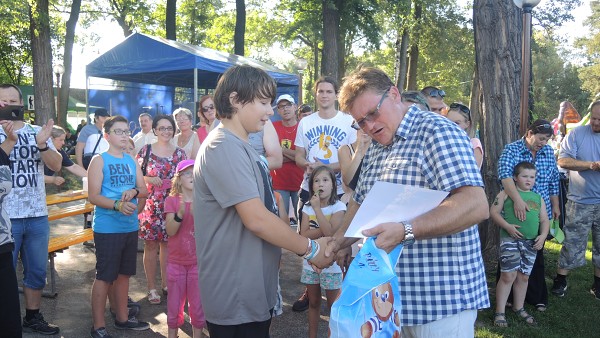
(246,330)
(116,254)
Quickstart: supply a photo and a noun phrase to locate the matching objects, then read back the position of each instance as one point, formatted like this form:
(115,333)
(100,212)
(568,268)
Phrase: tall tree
(240,27)
(170,20)
(39,28)
(498,30)
(15,47)
(331,24)
(413,59)
(65,86)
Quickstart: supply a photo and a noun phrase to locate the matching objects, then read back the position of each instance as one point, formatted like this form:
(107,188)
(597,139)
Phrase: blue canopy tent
(149,59)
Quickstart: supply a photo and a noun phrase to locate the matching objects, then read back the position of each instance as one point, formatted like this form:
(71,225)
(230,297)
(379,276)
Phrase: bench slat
(70,211)
(65,241)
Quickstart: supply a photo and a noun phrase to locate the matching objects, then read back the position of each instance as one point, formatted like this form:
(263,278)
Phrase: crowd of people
(214,202)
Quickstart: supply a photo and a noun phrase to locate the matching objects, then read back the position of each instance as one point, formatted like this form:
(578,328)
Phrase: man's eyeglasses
(437,93)
(284,106)
(120,132)
(372,116)
(207,108)
(165,129)
(462,108)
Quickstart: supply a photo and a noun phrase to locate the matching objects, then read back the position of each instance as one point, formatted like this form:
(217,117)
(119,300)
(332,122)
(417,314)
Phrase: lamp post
(527,6)
(300,64)
(58,70)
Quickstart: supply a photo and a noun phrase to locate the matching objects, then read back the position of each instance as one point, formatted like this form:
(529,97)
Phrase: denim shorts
(31,244)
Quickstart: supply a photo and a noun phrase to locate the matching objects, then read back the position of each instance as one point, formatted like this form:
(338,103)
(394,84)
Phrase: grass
(574,315)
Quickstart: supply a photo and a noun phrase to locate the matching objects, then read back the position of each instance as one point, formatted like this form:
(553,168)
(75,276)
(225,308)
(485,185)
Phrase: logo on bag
(386,319)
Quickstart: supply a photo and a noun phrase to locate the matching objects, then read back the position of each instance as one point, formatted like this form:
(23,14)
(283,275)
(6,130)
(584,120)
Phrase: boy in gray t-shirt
(238,232)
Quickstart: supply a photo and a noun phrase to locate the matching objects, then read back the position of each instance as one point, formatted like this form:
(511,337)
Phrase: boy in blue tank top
(519,242)
(116,182)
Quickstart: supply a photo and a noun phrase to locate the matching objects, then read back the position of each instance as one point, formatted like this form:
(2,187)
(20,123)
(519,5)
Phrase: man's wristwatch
(409,237)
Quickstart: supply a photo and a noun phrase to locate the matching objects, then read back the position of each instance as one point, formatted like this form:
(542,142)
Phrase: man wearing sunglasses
(435,99)
(440,272)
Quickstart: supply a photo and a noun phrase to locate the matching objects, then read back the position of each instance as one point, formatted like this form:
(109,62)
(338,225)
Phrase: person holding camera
(90,141)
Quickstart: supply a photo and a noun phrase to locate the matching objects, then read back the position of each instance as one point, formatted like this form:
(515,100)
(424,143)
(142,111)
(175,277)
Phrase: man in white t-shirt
(146,135)
(318,138)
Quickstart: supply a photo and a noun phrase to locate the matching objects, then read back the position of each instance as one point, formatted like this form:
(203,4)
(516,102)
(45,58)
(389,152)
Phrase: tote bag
(369,304)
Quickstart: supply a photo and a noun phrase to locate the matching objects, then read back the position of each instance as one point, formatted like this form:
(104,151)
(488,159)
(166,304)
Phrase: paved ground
(75,273)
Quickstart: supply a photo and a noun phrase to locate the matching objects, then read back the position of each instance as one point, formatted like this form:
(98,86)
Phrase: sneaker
(133,311)
(132,324)
(99,333)
(39,325)
(559,287)
(302,303)
(293,222)
(595,292)
(131,303)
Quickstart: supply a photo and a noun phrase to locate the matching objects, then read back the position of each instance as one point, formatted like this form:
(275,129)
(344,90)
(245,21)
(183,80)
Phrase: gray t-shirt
(238,270)
(584,145)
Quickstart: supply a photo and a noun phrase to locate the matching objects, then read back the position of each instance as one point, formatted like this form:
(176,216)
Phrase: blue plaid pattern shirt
(442,276)
(546,176)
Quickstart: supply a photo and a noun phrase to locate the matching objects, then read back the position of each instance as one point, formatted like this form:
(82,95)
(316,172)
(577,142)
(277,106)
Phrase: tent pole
(195,95)
(87,103)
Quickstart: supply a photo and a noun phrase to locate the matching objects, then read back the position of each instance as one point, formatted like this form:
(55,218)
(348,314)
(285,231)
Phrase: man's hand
(9,129)
(343,258)
(513,231)
(321,261)
(521,209)
(44,134)
(595,166)
(389,235)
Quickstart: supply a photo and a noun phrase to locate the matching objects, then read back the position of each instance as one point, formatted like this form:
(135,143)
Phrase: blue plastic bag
(369,304)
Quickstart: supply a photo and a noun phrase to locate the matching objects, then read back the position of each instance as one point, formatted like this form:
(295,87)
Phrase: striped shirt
(442,276)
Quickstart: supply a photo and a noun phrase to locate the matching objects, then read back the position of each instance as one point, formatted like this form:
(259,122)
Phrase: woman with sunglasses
(186,139)
(533,147)
(158,162)
(461,115)
(207,115)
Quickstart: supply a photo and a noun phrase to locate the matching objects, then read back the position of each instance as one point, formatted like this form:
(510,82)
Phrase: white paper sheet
(389,202)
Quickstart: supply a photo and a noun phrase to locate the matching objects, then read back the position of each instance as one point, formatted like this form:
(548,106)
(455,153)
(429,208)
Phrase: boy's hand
(539,242)
(127,208)
(128,194)
(513,232)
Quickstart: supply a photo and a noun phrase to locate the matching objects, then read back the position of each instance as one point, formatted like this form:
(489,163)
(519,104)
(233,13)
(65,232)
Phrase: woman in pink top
(207,114)
(182,266)
(461,115)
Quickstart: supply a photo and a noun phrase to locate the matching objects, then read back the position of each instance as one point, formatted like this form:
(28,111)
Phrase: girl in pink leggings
(182,266)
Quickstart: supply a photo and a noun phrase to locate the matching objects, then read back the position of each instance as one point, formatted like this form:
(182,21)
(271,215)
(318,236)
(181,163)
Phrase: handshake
(326,250)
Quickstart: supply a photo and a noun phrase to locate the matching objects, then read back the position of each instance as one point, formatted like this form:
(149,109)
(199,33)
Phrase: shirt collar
(407,122)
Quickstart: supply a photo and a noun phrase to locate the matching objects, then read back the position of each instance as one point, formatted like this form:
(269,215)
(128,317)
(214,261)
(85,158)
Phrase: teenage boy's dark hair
(112,120)
(327,79)
(249,83)
(523,166)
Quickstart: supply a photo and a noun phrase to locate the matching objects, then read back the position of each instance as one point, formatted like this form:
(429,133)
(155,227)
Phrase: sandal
(500,322)
(153,297)
(526,317)
(540,307)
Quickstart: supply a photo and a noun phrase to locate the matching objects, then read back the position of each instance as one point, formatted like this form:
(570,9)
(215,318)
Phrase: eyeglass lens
(207,108)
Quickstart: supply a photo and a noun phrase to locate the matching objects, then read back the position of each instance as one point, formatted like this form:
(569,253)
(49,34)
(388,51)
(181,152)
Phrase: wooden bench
(80,209)
(60,243)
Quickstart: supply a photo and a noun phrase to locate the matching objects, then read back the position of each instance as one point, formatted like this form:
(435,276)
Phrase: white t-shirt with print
(28,195)
(312,219)
(321,139)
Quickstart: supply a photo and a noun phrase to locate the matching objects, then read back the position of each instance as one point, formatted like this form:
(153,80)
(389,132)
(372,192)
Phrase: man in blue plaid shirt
(440,272)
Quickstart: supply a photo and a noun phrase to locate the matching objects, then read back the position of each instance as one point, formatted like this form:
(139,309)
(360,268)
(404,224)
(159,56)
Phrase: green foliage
(554,80)
(15,48)
(590,73)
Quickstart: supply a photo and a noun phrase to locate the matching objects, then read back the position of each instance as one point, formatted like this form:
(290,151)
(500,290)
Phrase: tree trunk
(401,66)
(414,49)
(170,20)
(316,61)
(497,26)
(240,27)
(65,85)
(475,102)
(121,17)
(39,28)
(331,24)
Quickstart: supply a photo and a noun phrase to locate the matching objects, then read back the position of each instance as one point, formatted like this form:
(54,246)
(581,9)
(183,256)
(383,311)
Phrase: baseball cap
(286,97)
(101,112)
(184,165)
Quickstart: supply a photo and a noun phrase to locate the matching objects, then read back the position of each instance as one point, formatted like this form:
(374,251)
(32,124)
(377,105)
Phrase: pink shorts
(182,282)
